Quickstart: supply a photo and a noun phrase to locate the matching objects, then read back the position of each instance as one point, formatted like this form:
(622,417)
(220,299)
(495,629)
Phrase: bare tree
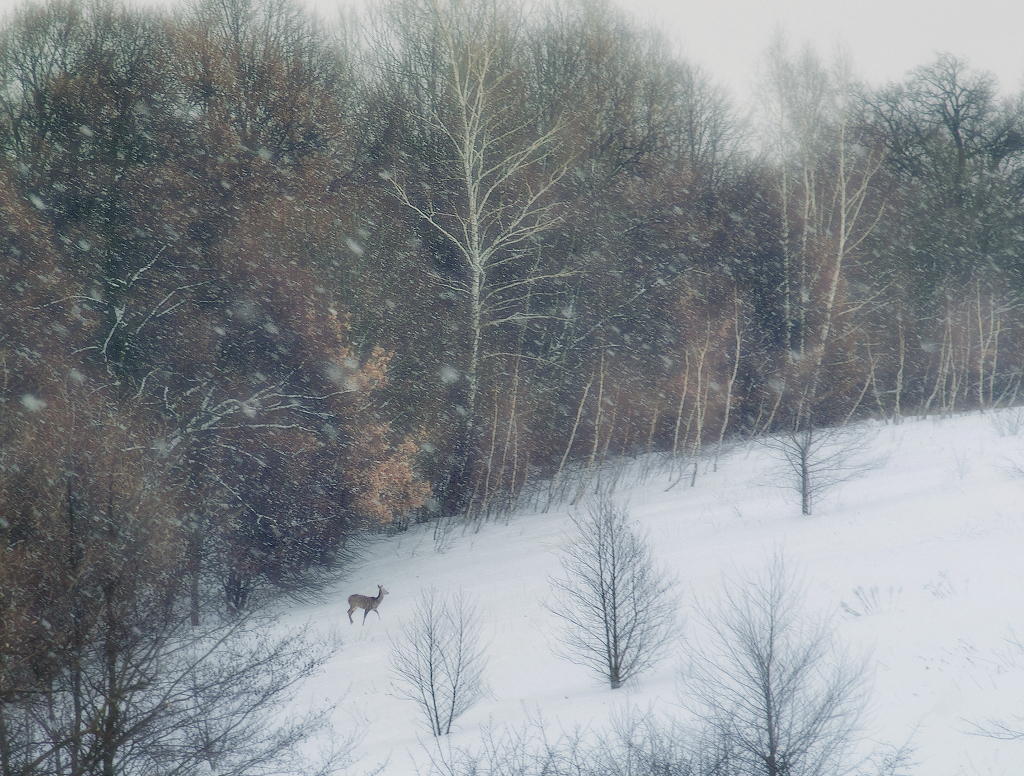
(772,684)
(812,460)
(501,168)
(180,699)
(123,683)
(615,603)
(829,206)
(438,661)
(102,670)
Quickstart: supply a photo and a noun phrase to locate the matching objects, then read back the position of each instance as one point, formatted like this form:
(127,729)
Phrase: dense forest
(269,284)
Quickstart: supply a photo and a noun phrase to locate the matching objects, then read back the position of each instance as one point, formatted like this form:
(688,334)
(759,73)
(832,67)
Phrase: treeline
(268,282)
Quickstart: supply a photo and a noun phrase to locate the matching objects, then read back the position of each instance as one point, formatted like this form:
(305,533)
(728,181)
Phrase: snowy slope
(920,560)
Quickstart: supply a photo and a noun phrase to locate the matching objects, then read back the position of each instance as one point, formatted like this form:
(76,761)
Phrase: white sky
(886,38)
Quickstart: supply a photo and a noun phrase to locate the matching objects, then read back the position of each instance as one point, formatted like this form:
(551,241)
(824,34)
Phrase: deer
(366,603)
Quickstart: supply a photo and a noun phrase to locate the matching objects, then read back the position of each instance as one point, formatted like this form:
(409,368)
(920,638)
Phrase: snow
(33,403)
(919,562)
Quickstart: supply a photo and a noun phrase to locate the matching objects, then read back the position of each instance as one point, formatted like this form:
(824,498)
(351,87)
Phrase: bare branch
(615,604)
(438,661)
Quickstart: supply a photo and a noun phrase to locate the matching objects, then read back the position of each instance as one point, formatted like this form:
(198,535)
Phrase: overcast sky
(886,38)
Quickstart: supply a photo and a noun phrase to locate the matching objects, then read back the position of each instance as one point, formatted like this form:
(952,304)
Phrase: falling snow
(918,563)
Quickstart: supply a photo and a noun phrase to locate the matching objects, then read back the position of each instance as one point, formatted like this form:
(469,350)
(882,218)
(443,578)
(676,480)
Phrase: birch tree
(828,206)
(499,168)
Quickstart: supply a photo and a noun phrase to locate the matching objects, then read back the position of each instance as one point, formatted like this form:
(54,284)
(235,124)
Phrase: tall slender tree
(491,195)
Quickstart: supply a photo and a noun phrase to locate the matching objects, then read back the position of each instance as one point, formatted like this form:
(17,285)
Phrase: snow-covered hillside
(920,561)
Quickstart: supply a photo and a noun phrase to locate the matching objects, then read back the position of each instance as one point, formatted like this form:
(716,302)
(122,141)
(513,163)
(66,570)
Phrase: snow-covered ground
(920,561)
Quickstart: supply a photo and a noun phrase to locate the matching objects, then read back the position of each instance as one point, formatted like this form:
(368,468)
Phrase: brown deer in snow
(366,603)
